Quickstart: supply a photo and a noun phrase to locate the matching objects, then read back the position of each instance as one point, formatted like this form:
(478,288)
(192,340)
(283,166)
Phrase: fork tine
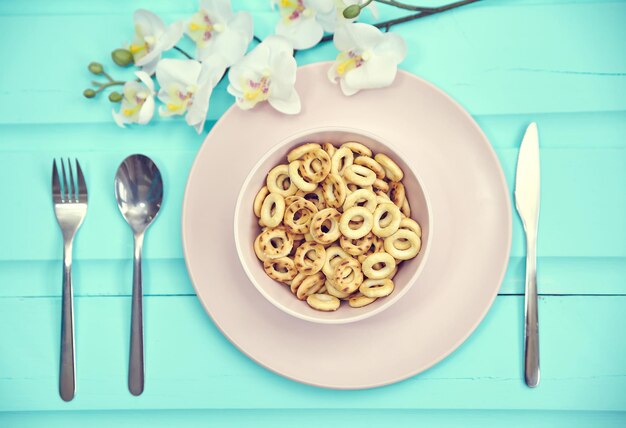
(73,194)
(56,185)
(82,186)
(65,193)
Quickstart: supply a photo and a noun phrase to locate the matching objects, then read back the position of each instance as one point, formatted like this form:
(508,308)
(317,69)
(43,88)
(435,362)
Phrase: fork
(70,207)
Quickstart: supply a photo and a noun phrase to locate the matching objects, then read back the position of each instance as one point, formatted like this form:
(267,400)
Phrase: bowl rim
(246,183)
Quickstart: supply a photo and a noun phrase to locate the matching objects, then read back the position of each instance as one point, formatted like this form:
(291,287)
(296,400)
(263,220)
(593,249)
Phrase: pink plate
(469,203)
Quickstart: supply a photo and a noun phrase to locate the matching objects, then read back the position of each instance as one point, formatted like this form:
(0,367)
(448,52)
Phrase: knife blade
(527,196)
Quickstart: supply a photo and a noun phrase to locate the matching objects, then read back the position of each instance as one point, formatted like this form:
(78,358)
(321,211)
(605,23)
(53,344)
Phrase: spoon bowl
(139,193)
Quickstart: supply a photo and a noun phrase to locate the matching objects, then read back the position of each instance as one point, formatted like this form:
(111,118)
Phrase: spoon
(139,192)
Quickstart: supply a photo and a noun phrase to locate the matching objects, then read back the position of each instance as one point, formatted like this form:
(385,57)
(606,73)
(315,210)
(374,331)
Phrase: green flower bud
(122,57)
(95,68)
(115,97)
(352,11)
(89,93)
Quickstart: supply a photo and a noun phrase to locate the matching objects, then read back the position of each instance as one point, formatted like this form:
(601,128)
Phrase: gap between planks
(108,296)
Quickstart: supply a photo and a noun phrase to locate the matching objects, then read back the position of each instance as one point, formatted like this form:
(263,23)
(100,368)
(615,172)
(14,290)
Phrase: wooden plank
(588,182)
(30,278)
(591,130)
(484,56)
(106,7)
(104,234)
(304,418)
(595,130)
(578,252)
(190,365)
(569,275)
(98,278)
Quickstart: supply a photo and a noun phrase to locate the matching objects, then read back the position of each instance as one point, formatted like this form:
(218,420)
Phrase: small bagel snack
(323,302)
(310,258)
(356,247)
(378,265)
(281,269)
(272,210)
(315,166)
(316,197)
(347,275)
(334,224)
(375,288)
(297,216)
(358,148)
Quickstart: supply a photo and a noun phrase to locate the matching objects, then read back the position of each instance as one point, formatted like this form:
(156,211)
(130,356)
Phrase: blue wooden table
(559,63)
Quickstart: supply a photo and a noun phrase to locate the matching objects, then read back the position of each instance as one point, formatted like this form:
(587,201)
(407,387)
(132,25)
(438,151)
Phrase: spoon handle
(136,367)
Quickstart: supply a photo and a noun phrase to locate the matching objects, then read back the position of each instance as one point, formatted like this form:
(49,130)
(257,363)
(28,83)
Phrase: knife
(527,183)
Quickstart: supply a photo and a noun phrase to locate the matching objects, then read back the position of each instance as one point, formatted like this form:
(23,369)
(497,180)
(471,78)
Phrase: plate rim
(366,385)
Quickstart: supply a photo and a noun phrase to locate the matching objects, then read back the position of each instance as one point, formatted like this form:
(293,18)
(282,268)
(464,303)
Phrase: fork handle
(136,365)
(67,374)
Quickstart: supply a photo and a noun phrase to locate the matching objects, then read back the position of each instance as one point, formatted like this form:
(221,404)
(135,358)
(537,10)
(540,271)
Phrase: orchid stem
(406,6)
(108,76)
(423,12)
(451,6)
(424,9)
(102,86)
(183,52)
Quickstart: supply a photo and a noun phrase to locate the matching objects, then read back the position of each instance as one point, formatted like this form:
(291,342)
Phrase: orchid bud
(95,67)
(115,97)
(89,93)
(352,11)
(122,57)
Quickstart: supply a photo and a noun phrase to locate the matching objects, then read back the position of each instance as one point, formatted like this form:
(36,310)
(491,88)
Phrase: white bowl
(247,228)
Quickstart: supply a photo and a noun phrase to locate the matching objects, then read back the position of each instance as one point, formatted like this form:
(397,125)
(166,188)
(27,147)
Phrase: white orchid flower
(217,30)
(267,73)
(137,102)
(186,86)
(368,58)
(304,22)
(152,38)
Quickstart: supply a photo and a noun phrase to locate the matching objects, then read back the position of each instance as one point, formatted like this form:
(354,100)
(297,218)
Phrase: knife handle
(531,328)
